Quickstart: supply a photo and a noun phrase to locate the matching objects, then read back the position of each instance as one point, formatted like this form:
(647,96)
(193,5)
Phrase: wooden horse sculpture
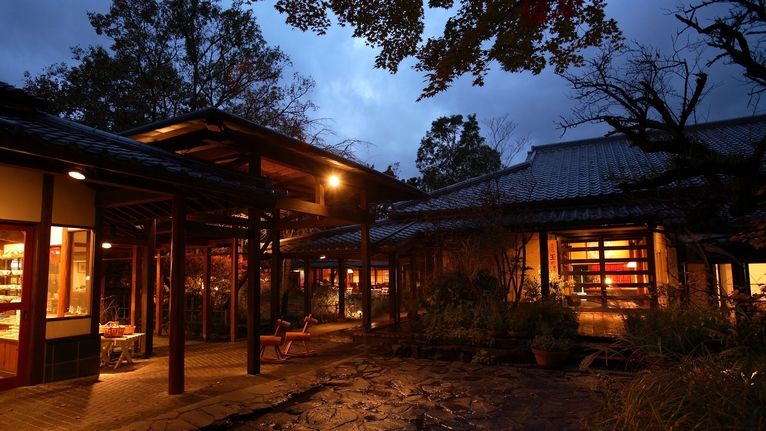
(276,341)
(302,336)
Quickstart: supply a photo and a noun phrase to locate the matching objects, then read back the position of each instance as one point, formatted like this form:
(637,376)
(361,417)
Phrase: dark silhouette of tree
(652,99)
(454,151)
(169,57)
(520,35)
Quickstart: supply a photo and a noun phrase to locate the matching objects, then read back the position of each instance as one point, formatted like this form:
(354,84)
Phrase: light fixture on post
(77,173)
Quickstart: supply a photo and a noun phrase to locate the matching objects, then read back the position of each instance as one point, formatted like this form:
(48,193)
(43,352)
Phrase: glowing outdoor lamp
(334,181)
(77,173)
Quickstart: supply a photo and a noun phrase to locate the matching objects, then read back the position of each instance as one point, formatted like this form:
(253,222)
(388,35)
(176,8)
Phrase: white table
(125,343)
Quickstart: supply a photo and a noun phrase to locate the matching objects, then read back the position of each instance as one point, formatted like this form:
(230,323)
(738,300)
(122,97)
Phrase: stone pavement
(345,386)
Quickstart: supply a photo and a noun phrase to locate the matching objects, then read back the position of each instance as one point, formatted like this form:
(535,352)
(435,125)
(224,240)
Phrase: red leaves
(539,12)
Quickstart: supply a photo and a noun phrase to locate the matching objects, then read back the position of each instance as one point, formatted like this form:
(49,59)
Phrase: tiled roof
(582,169)
(568,184)
(32,138)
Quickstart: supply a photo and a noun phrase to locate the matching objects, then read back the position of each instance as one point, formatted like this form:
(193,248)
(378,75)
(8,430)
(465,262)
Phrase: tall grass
(701,371)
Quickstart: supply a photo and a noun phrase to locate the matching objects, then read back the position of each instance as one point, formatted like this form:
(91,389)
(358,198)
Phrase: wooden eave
(298,171)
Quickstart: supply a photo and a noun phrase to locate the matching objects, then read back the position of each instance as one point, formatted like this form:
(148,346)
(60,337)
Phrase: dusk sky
(370,104)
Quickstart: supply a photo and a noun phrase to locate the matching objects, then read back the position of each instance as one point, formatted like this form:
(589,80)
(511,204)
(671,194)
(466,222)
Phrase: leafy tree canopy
(453,151)
(520,35)
(169,57)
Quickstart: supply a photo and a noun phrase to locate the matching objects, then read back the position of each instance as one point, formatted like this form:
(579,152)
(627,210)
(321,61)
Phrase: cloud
(366,103)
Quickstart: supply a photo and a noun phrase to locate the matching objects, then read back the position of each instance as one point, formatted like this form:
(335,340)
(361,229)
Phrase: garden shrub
(677,329)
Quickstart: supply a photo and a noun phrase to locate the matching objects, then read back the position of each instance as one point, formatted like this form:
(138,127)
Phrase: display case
(11,271)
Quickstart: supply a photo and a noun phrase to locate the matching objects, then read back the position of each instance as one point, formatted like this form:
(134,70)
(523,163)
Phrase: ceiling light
(106,245)
(77,173)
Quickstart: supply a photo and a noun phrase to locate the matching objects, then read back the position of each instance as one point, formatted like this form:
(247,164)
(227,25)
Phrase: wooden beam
(300,180)
(322,210)
(308,224)
(122,197)
(218,219)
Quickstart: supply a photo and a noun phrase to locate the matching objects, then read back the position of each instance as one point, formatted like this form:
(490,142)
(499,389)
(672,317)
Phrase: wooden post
(35,348)
(177,302)
(276,271)
(233,298)
(364,271)
(341,290)
(159,295)
(135,288)
(253,291)
(206,306)
(545,274)
(65,273)
(147,293)
(393,288)
(308,289)
(413,312)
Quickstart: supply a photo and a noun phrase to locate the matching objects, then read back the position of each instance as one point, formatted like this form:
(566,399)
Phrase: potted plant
(519,324)
(550,351)
(496,322)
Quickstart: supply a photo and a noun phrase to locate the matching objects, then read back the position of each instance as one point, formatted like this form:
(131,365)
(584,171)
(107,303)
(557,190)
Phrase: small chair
(276,341)
(302,336)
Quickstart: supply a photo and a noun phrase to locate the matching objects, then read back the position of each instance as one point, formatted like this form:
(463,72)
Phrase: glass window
(69,275)
(606,266)
(757,277)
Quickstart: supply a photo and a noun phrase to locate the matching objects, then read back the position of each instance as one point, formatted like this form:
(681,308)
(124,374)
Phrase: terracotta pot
(497,334)
(518,334)
(550,359)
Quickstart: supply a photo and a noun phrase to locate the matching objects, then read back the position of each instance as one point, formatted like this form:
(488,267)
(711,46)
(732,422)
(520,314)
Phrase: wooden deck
(600,324)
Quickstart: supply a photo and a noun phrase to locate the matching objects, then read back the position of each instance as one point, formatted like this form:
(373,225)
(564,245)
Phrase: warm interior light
(77,174)
(608,281)
(350,271)
(334,181)
(632,264)
(106,245)
(322,257)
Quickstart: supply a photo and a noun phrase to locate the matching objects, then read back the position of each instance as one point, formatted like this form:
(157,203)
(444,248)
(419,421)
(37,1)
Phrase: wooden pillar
(147,293)
(364,270)
(98,267)
(413,311)
(207,309)
(393,288)
(276,271)
(35,370)
(341,290)
(65,273)
(233,306)
(135,286)
(545,274)
(308,286)
(159,295)
(177,301)
(253,289)
(253,251)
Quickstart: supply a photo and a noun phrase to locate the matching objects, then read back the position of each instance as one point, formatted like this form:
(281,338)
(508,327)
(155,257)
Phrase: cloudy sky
(365,103)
